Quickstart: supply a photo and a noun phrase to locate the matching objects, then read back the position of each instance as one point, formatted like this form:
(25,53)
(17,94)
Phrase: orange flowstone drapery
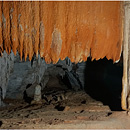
(60,29)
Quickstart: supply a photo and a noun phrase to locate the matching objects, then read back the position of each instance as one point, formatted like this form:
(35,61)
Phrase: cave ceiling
(56,30)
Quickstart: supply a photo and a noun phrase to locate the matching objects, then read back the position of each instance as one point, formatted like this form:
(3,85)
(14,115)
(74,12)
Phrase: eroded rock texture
(25,73)
(60,29)
(6,66)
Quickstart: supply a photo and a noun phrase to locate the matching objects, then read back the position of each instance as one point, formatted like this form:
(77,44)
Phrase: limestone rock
(37,93)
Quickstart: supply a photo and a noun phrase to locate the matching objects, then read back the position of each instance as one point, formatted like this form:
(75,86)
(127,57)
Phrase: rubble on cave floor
(58,106)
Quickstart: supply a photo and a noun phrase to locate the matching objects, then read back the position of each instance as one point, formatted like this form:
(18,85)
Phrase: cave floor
(78,111)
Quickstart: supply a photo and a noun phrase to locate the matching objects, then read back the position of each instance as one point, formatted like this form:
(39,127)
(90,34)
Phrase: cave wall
(6,67)
(24,73)
(27,73)
(16,75)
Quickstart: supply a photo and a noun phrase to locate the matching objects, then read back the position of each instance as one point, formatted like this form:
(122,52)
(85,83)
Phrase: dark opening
(103,82)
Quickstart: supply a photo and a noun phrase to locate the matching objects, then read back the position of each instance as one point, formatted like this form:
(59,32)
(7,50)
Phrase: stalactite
(1,37)
(6,26)
(14,29)
(36,26)
(30,28)
(20,18)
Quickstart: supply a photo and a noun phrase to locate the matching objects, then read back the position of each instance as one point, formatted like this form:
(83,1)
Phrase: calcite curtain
(60,29)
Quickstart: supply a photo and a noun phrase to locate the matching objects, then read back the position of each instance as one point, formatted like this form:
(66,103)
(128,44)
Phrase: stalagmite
(37,95)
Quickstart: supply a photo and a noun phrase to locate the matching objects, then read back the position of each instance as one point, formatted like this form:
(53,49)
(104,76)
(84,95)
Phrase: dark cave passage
(103,82)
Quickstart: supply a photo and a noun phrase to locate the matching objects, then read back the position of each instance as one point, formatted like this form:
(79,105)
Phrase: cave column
(126,58)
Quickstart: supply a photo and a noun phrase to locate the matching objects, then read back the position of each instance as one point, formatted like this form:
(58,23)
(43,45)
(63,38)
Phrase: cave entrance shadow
(103,82)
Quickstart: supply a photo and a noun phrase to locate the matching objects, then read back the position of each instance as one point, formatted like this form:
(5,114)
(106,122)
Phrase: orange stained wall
(60,29)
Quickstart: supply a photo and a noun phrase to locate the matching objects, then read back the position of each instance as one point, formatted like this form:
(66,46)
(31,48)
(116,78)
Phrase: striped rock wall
(60,29)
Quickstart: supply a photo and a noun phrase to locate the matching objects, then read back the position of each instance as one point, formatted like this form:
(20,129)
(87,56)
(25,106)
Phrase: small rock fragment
(67,108)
